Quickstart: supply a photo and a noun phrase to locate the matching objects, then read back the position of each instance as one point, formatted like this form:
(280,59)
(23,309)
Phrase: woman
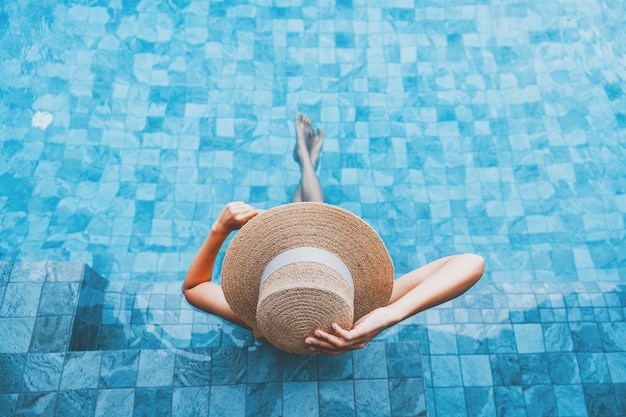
(420,289)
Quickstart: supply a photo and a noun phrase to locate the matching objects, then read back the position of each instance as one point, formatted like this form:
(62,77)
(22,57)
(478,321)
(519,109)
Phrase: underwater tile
(36,404)
(76,403)
(11,369)
(613,336)
(205,335)
(509,401)
(534,369)
(336,398)
(119,369)
(264,364)
(15,334)
(563,368)
(476,370)
(150,402)
(338,367)
(450,402)
(370,362)
(51,334)
(540,400)
(529,338)
(506,370)
(42,372)
(156,368)
(616,362)
(500,338)
(58,298)
(28,272)
(5,271)
(193,367)
(557,337)
(227,401)
(593,368)
(407,397)
(442,340)
(228,366)
(372,397)
(600,399)
(8,404)
(190,401)
(570,400)
(404,360)
(446,371)
(81,370)
(480,401)
(21,299)
(265,399)
(65,271)
(115,403)
(300,399)
(299,367)
(471,339)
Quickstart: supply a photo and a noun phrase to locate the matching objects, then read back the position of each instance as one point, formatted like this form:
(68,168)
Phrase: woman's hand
(233,216)
(364,330)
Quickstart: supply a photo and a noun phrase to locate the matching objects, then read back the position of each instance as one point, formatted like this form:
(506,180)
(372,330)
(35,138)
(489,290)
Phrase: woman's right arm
(197,287)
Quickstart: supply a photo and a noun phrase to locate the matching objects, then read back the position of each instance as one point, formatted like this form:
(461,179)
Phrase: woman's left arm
(419,290)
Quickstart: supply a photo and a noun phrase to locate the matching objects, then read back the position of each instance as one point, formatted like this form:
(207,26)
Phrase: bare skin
(425,287)
(306,153)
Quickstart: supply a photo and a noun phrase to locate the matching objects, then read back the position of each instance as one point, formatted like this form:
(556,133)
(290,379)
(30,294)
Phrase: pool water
(490,127)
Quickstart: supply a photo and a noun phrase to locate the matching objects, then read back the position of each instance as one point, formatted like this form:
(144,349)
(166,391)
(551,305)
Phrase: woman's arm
(197,287)
(419,290)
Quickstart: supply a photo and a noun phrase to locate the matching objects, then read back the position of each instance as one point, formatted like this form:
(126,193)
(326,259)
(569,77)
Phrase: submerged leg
(306,153)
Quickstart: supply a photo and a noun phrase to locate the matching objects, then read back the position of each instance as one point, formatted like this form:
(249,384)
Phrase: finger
(341,332)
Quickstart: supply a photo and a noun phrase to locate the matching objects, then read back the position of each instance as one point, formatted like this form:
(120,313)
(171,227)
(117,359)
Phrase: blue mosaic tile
(300,399)
(264,399)
(509,401)
(336,398)
(600,400)
(115,402)
(152,401)
(51,334)
(119,369)
(228,366)
(368,363)
(42,372)
(80,371)
(335,367)
(372,398)
(36,404)
(228,401)
(15,334)
(480,401)
(76,403)
(593,368)
(12,367)
(190,401)
(156,368)
(563,368)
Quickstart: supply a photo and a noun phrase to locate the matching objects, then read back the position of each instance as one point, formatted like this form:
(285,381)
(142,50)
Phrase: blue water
(492,127)
(497,128)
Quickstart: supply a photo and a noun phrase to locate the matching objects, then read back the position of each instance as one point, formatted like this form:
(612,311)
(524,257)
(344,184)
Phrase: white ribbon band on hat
(308,254)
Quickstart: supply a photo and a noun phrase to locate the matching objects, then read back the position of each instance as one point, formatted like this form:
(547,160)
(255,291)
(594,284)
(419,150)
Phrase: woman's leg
(306,153)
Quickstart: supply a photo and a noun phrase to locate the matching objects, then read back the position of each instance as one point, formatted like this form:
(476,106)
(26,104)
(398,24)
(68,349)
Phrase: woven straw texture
(297,225)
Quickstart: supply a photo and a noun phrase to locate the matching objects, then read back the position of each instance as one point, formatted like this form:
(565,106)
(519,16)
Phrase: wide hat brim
(309,224)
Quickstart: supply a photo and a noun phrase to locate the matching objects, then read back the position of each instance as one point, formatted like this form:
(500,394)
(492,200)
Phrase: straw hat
(303,266)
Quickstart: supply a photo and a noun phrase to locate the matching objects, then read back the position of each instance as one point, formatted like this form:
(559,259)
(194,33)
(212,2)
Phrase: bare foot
(303,125)
(314,141)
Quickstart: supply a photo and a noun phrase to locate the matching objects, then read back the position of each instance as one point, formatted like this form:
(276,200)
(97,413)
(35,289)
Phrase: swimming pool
(491,127)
